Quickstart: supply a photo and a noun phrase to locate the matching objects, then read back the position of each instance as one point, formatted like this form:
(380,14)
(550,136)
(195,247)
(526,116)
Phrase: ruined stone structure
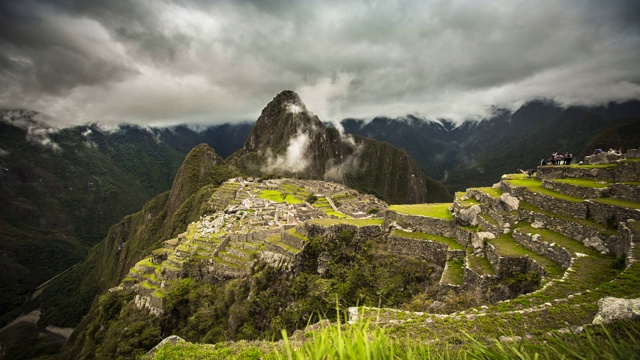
(487,236)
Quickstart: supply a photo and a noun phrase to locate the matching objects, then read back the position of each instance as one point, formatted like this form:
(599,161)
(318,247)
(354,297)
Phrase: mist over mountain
(61,189)
(288,140)
(477,152)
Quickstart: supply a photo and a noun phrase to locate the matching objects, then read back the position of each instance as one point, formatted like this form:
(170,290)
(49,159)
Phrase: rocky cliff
(288,140)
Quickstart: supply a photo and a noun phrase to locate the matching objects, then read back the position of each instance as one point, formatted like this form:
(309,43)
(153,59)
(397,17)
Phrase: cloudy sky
(195,61)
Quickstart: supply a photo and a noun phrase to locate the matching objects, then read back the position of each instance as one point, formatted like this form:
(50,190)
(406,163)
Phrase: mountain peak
(284,117)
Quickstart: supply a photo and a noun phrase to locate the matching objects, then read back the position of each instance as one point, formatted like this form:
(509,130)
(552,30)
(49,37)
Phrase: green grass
(454,273)
(440,210)
(550,236)
(299,236)
(277,240)
(585,166)
(507,246)
(277,196)
(618,203)
(356,222)
(493,192)
(147,263)
(598,184)
(452,243)
(584,222)
(480,264)
(324,205)
(465,203)
(536,186)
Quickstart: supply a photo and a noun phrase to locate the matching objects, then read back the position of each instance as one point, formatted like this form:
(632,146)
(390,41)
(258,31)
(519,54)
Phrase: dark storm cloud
(205,61)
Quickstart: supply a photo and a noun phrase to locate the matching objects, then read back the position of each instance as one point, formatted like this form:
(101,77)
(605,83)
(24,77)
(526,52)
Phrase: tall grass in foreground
(362,341)
(369,342)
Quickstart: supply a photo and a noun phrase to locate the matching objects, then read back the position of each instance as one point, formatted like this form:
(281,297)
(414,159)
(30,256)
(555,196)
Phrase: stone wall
(563,171)
(429,225)
(569,229)
(293,240)
(625,192)
(332,232)
(602,158)
(608,214)
(578,210)
(627,171)
(428,250)
(509,266)
(576,191)
(558,254)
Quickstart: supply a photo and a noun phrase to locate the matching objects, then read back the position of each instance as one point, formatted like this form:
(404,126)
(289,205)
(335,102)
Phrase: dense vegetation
(258,306)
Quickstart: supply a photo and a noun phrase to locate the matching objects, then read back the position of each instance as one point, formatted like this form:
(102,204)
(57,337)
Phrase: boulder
(173,339)
(469,216)
(597,244)
(537,225)
(509,203)
(633,153)
(477,241)
(611,309)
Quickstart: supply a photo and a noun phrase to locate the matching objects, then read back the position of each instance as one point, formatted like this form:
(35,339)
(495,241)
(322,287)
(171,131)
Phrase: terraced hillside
(573,228)
(520,259)
(539,253)
(253,220)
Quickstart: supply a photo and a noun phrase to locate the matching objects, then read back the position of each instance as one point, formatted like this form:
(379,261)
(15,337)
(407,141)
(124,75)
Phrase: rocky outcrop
(611,309)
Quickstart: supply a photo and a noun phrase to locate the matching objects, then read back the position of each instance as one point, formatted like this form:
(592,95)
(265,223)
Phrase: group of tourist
(558,159)
(616,151)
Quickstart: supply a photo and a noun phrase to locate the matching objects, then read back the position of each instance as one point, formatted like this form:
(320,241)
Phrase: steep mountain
(477,152)
(61,190)
(58,197)
(70,296)
(289,140)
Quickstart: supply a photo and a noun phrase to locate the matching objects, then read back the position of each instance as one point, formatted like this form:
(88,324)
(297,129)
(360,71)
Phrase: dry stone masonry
(520,228)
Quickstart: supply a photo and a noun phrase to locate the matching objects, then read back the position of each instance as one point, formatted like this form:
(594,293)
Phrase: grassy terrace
(324,205)
(278,196)
(453,245)
(146,262)
(277,240)
(618,202)
(356,222)
(293,232)
(534,185)
(584,222)
(465,203)
(598,184)
(494,193)
(454,273)
(479,264)
(549,236)
(561,304)
(221,261)
(507,246)
(440,211)
(599,166)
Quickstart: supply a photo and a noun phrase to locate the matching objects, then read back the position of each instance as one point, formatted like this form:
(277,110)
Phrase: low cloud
(294,159)
(171,62)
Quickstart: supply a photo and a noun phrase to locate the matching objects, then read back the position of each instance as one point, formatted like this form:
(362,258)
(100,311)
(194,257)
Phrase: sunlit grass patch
(440,210)
(618,203)
(479,264)
(536,186)
(454,273)
(278,196)
(584,182)
(356,222)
